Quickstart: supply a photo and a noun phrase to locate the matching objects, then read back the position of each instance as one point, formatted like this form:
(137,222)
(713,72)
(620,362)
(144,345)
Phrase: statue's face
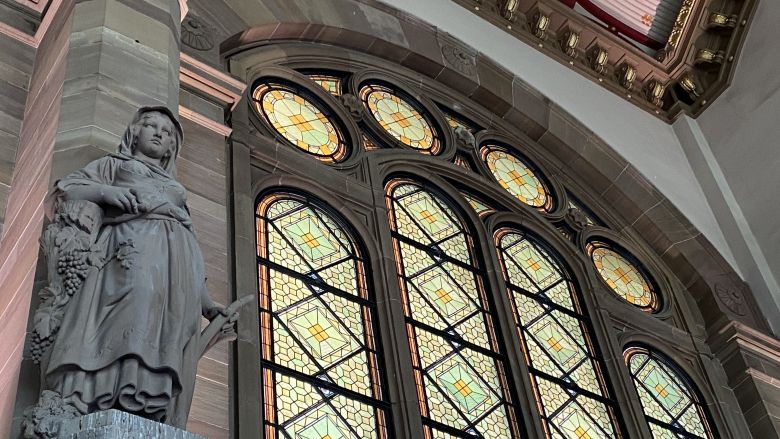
(156,136)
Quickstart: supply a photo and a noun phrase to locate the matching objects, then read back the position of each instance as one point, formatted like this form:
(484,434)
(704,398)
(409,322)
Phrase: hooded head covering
(126,147)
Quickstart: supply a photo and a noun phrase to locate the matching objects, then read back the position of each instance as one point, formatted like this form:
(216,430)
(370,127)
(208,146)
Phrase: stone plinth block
(115,424)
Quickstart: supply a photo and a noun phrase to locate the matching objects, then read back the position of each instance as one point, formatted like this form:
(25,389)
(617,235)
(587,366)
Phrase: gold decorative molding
(684,76)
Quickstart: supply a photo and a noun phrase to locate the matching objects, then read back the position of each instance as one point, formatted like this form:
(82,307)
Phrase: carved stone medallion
(460,60)
(197,34)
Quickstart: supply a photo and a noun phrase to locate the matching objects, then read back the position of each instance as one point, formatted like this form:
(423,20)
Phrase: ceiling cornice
(684,77)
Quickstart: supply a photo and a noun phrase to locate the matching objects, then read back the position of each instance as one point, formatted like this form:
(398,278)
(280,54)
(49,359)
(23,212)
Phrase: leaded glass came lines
(623,277)
(670,404)
(331,84)
(400,118)
(565,371)
(320,361)
(300,121)
(478,205)
(459,372)
(517,177)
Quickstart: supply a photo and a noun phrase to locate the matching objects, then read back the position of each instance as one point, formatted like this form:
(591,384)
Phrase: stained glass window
(459,371)
(331,84)
(455,122)
(369,144)
(300,120)
(565,369)
(462,162)
(320,363)
(401,118)
(517,177)
(671,405)
(478,205)
(624,277)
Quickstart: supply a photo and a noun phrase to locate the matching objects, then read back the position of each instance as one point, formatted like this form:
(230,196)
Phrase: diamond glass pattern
(460,376)
(300,121)
(564,369)
(624,278)
(517,177)
(668,400)
(318,352)
(400,118)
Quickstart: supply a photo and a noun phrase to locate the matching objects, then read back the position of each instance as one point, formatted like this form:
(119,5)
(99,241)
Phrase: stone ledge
(115,424)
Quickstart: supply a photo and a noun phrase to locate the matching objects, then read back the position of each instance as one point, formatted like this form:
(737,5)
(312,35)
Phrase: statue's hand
(213,310)
(123,198)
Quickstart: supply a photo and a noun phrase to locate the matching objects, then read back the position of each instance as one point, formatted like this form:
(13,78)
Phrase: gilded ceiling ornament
(569,43)
(598,59)
(197,34)
(459,59)
(627,75)
(655,92)
(508,8)
(540,24)
(689,84)
(709,56)
(719,20)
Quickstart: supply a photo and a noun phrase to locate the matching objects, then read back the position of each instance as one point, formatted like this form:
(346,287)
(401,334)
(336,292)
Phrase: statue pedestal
(115,424)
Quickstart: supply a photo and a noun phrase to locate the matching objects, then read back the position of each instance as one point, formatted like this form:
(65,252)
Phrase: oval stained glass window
(400,118)
(670,403)
(300,121)
(517,177)
(623,277)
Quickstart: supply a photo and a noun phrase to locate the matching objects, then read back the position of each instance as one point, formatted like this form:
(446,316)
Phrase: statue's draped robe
(124,336)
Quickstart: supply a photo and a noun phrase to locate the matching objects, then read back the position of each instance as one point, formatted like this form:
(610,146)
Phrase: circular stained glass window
(300,121)
(517,177)
(400,118)
(624,277)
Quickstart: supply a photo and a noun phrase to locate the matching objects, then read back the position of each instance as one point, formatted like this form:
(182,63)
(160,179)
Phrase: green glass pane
(399,118)
(555,341)
(665,396)
(517,178)
(623,277)
(299,121)
(461,386)
(311,330)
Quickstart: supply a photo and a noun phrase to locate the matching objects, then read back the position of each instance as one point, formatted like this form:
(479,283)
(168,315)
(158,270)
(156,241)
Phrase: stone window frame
(356,200)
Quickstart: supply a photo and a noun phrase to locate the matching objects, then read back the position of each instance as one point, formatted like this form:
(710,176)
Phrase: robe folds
(124,336)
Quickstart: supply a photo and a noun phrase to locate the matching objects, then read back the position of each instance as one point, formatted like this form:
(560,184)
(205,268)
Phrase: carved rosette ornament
(353,105)
(460,60)
(731,298)
(197,34)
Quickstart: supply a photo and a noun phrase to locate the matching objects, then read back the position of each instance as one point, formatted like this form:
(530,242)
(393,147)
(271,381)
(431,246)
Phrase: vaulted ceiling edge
(668,57)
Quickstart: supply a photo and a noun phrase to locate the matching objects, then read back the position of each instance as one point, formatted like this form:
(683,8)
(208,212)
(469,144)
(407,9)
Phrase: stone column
(116,55)
(123,54)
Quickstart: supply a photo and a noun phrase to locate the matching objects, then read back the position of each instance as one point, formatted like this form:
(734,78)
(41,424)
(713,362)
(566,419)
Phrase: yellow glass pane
(517,178)
(478,205)
(400,118)
(623,277)
(300,121)
(331,84)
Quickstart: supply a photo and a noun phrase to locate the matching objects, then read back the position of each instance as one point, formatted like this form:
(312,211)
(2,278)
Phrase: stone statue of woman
(129,337)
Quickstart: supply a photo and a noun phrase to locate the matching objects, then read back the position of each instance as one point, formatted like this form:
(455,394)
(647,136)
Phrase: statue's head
(156,133)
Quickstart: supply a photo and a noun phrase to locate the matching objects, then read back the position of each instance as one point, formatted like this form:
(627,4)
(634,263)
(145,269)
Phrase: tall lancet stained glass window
(565,368)
(320,364)
(671,405)
(460,374)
